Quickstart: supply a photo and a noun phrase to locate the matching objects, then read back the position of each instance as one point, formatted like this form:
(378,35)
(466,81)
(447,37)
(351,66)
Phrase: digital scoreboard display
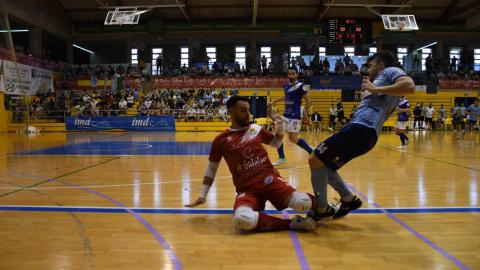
(346,31)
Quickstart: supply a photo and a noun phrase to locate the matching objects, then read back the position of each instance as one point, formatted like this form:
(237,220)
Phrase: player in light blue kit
(473,115)
(295,91)
(380,99)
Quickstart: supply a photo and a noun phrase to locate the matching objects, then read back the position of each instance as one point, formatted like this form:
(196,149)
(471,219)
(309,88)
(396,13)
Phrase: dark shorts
(352,141)
(472,122)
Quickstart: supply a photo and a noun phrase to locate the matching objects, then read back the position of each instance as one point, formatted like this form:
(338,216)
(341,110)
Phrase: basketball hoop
(399,22)
(121,16)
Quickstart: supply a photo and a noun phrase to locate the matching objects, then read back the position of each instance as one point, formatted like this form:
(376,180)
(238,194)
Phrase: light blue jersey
(474,112)
(375,109)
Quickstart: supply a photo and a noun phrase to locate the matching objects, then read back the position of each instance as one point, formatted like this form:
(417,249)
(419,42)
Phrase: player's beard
(243,122)
(292,80)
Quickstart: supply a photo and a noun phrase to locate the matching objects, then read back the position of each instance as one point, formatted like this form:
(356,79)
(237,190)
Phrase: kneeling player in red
(255,178)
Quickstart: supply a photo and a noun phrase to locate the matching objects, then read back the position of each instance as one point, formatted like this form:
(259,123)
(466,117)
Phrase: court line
(119,185)
(57,146)
(163,243)
(223,211)
(298,248)
(412,230)
(57,177)
(429,158)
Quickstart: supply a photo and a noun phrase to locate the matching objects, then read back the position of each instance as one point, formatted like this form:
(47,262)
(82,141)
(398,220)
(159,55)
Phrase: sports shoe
(305,224)
(402,147)
(347,207)
(317,216)
(331,129)
(279,162)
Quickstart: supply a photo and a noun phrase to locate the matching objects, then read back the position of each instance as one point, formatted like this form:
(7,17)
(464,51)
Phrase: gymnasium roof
(439,11)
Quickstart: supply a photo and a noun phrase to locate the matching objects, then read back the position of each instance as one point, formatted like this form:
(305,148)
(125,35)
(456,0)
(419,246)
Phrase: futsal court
(116,201)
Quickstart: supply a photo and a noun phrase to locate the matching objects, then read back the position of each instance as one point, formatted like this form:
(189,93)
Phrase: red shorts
(277,192)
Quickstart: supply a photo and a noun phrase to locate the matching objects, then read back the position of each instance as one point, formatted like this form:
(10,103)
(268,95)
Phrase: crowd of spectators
(190,105)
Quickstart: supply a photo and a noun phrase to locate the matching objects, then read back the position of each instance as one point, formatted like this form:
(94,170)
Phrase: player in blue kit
(403,112)
(380,98)
(294,91)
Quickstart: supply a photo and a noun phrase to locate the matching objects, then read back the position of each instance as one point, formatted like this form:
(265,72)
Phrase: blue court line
(296,245)
(24,208)
(25,152)
(126,148)
(420,236)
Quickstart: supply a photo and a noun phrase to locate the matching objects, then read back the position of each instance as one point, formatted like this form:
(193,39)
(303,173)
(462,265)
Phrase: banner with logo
(11,81)
(32,79)
(2,85)
(42,80)
(135,123)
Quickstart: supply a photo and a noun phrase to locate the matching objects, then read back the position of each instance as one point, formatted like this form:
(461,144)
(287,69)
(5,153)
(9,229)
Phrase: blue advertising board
(134,123)
(330,82)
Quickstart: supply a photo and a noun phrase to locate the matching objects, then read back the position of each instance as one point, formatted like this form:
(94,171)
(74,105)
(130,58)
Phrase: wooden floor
(105,209)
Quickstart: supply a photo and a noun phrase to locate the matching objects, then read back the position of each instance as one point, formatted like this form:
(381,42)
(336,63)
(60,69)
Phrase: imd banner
(136,123)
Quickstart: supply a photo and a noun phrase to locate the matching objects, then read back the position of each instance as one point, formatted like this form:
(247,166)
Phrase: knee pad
(245,218)
(300,201)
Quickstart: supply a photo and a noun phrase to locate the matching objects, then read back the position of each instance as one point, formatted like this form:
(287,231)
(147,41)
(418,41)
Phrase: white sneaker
(303,224)
(402,147)
(279,162)
(331,129)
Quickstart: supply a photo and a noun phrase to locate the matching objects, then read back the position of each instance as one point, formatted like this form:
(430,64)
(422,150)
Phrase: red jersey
(245,156)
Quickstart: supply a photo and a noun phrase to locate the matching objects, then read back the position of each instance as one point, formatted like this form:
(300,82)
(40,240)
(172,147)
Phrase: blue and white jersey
(403,104)
(375,109)
(293,100)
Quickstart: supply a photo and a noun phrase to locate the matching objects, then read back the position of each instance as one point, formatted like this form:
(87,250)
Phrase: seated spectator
(122,105)
(222,112)
(201,114)
(192,114)
(142,110)
(130,101)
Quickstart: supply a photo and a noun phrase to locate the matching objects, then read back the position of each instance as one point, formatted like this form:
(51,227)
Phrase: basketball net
(119,19)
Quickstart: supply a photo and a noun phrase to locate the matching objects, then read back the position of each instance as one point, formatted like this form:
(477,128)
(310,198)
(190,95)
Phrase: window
(401,53)
(134,56)
(476,59)
(322,51)
(349,50)
(267,52)
(455,52)
(425,53)
(184,56)
(212,53)
(372,50)
(294,51)
(155,53)
(240,55)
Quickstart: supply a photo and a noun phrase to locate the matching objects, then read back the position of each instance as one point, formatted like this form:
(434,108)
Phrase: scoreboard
(346,31)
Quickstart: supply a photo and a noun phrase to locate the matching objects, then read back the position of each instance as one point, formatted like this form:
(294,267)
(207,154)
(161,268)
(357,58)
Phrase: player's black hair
(232,101)
(293,68)
(386,57)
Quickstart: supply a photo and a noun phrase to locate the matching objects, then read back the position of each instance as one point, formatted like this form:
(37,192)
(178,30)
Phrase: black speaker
(432,89)
(258,106)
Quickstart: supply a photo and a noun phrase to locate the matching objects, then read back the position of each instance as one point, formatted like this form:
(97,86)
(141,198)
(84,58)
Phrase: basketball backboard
(121,16)
(399,22)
